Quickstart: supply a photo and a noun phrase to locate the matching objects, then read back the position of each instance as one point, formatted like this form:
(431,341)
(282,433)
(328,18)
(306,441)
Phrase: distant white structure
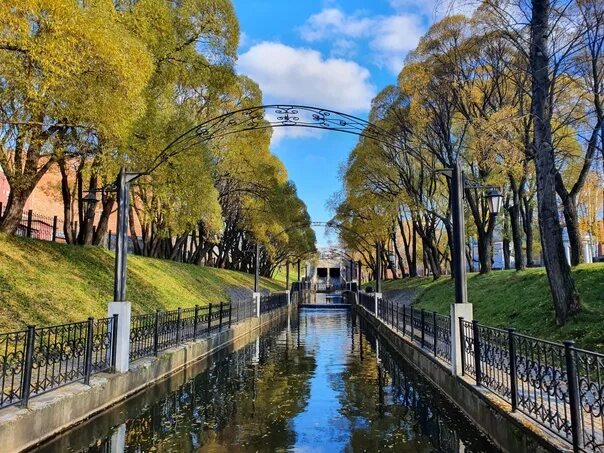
(332,271)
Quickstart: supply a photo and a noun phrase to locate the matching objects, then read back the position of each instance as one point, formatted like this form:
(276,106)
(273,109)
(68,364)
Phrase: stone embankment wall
(510,431)
(57,411)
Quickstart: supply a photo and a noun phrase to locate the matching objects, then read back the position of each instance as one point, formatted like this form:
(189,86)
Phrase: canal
(319,382)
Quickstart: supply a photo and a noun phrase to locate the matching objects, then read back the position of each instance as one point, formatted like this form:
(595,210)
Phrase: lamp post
(459,268)
(378,267)
(287,292)
(378,276)
(256,294)
(461,308)
(257,268)
(495,200)
(89,204)
(119,306)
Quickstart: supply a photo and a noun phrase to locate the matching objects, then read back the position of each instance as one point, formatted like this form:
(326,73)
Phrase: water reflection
(320,382)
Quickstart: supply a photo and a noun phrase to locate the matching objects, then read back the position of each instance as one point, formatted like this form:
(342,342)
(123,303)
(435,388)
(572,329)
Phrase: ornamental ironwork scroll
(272,117)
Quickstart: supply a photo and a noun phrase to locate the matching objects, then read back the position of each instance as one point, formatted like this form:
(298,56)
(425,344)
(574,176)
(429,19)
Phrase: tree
(67,69)
(588,73)
(564,294)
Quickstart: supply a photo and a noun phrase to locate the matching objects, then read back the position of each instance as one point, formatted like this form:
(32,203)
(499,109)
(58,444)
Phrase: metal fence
(367,301)
(430,330)
(37,360)
(557,385)
(272,301)
(37,226)
(52,228)
(156,332)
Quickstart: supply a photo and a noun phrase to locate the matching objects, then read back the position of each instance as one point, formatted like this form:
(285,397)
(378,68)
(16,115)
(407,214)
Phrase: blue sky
(332,54)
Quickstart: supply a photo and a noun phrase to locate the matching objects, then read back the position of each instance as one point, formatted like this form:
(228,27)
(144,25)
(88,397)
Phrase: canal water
(321,382)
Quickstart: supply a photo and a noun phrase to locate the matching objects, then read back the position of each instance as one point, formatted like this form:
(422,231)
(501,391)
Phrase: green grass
(280,274)
(521,300)
(43,283)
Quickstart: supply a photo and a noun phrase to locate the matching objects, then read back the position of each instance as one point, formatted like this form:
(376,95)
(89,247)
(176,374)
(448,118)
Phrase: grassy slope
(522,300)
(44,283)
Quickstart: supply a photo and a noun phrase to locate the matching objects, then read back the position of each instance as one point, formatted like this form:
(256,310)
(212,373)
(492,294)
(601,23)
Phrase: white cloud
(279,133)
(398,34)
(344,48)
(303,76)
(389,37)
(435,9)
(298,75)
(426,7)
(322,25)
(243,39)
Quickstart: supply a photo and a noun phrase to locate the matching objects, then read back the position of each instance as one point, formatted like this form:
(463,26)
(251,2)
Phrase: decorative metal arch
(271,117)
(328,224)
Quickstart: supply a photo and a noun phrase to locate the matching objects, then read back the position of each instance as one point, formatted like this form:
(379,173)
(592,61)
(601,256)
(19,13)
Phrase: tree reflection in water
(322,384)
(410,414)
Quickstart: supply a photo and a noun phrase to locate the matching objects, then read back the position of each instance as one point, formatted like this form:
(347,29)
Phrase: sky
(334,54)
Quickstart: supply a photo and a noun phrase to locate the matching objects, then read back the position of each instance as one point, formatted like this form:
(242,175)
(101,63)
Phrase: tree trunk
(23,178)
(135,244)
(13,213)
(66,195)
(506,254)
(514,212)
(409,247)
(413,263)
(572,228)
(102,226)
(469,257)
(87,218)
(562,285)
(399,257)
(485,252)
(485,226)
(527,225)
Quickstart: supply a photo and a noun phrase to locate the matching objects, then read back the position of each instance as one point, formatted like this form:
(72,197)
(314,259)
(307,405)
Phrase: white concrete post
(466,312)
(118,439)
(376,297)
(122,348)
(587,255)
(256,357)
(257,300)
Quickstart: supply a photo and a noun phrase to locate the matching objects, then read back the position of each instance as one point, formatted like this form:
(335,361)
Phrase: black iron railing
(557,385)
(430,330)
(536,377)
(272,301)
(38,360)
(368,301)
(153,333)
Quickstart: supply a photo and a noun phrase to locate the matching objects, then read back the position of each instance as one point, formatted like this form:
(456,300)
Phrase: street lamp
(88,205)
(461,308)
(495,200)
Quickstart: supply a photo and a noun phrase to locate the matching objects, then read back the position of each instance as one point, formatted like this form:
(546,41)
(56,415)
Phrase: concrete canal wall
(61,409)
(510,431)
